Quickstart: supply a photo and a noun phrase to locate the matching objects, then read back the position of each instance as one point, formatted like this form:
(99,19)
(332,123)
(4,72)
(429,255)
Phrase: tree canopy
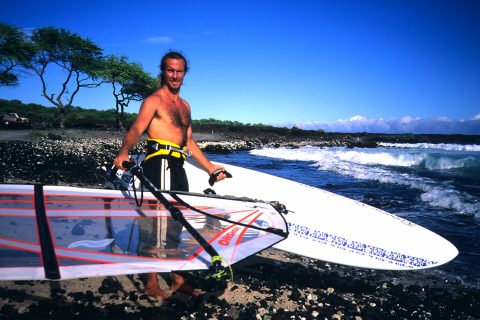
(129,82)
(78,59)
(15,52)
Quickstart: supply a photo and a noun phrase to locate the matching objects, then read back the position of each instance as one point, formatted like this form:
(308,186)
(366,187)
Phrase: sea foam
(441,146)
(391,166)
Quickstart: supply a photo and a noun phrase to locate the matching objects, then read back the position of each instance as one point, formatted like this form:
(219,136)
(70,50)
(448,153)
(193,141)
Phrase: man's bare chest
(177,114)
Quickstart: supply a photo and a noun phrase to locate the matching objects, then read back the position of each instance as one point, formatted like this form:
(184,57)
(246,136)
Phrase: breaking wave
(441,146)
(397,166)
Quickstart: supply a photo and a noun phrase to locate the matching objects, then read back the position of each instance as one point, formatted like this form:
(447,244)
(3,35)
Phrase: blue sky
(377,66)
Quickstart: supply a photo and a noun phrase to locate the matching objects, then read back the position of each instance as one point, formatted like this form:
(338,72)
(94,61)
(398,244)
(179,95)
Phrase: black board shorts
(166,173)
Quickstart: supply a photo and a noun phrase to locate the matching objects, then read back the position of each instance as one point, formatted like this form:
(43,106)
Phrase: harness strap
(156,147)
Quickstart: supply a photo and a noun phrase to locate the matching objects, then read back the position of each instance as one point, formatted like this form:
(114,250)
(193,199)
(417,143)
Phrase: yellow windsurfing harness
(157,147)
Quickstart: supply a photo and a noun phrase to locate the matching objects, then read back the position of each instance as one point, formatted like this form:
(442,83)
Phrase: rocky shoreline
(53,157)
(270,285)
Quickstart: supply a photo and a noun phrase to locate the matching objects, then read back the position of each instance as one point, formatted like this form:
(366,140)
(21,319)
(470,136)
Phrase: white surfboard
(333,228)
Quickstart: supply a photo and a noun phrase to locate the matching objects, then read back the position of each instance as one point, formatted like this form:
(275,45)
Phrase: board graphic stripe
(50,262)
(343,243)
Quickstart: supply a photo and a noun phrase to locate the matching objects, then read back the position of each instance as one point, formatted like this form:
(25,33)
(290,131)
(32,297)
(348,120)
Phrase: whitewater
(437,171)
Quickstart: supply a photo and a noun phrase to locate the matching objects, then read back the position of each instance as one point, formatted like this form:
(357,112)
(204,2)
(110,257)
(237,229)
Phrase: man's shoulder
(156,96)
(185,103)
(154,100)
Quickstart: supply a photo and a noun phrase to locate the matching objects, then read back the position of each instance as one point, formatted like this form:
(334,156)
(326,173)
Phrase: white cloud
(160,39)
(357,118)
(446,119)
(406,120)
(405,124)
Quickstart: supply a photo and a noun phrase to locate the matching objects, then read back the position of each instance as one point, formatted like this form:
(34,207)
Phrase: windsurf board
(334,228)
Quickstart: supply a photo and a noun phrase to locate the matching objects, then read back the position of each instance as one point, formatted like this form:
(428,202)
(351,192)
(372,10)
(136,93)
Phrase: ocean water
(434,185)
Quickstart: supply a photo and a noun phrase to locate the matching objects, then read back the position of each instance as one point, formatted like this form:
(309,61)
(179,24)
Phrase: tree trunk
(121,126)
(117,118)
(62,118)
(118,121)
(121,117)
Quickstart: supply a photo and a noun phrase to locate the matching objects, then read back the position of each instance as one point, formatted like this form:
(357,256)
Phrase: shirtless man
(166,118)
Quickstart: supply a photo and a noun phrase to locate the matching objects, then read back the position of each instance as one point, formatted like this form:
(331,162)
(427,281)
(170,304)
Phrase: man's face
(174,73)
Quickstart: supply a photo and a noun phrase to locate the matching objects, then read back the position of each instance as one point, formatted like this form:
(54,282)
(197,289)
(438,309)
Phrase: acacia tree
(78,58)
(129,83)
(15,53)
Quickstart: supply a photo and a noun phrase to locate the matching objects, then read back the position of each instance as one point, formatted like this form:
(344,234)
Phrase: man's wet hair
(163,63)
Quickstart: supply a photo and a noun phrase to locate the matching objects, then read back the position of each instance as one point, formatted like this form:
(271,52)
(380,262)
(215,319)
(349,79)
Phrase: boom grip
(214,175)
(128,164)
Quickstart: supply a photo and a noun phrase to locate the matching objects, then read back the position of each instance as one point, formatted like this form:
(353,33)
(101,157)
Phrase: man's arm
(144,117)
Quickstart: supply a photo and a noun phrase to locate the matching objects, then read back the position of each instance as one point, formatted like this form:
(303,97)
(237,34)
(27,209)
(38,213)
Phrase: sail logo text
(225,241)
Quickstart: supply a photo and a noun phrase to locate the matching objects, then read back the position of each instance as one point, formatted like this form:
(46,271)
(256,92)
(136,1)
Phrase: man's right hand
(118,162)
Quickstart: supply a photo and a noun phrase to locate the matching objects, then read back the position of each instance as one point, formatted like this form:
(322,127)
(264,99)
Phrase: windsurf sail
(176,213)
(57,232)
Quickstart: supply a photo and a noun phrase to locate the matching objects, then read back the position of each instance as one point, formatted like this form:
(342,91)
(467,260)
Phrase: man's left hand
(215,177)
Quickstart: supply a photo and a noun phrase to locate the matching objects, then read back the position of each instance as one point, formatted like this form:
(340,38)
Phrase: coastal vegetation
(42,117)
(82,63)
